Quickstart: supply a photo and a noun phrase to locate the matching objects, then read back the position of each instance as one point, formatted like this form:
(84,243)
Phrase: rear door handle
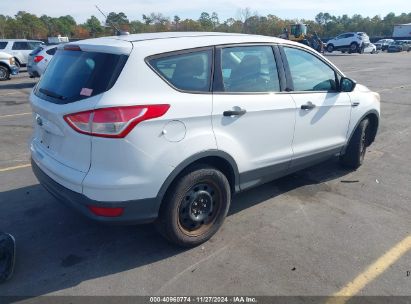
(308,106)
(234,112)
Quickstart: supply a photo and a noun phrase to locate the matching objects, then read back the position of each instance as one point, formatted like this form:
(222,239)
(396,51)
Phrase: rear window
(3,45)
(187,71)
(76,75)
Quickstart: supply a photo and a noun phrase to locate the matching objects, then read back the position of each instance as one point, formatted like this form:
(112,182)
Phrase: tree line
(30,26)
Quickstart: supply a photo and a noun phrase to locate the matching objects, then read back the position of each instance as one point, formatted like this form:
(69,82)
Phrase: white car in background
(353,42)
(165,127)
(7,66)
(370,49)
(19,49)
(39,59)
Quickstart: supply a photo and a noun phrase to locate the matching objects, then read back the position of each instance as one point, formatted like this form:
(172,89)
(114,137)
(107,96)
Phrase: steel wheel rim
(199,208)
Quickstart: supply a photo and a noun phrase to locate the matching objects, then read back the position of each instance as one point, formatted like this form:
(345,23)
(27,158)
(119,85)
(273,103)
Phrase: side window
(3,45)
(51,51)
(308,72)
(249,69)
(31,45)
(350,35)
(187,72)
(20,45)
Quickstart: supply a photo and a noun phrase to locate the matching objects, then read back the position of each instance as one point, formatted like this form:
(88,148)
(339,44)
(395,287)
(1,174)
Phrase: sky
(291,9)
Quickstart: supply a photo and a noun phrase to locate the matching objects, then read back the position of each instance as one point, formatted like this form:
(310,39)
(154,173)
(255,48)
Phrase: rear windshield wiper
(52,94)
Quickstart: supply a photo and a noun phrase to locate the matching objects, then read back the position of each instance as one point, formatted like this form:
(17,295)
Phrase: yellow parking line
(12,115)
(15,168)
(372,272)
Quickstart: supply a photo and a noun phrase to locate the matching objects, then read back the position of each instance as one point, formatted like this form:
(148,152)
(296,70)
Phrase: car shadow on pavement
(58,249)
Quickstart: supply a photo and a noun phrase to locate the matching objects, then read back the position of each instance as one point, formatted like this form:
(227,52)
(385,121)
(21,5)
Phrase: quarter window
(249,69)
(187,72)
(3,45)
(51,51)
(309,73)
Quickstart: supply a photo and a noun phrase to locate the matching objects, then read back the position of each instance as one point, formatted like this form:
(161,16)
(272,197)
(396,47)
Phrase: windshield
(36,51)
(75,75)
(298,29)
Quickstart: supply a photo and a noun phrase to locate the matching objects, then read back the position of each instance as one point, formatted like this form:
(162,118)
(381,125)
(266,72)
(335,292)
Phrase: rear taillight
(107,211)
(38,58)
(114,122)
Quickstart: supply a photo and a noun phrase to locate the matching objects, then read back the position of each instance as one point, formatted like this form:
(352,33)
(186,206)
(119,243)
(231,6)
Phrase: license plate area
(45,138)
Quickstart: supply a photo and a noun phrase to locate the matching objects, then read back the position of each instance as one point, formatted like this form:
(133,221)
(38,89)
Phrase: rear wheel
(355,153)
(353,47)
(4,73)
(195,207)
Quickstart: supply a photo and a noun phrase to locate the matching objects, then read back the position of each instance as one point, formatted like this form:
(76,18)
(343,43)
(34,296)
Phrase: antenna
(119,32)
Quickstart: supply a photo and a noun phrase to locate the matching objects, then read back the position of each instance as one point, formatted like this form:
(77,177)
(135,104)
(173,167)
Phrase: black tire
(355,153)
(181,220)
(330,48)
(354,47)
(4,73)
(343,52)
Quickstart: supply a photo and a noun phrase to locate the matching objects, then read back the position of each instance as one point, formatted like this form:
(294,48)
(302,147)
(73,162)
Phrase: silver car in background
(39,59)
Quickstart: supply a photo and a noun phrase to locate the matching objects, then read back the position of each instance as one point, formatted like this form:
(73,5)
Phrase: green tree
(94,27)
(206,22)
(3,25)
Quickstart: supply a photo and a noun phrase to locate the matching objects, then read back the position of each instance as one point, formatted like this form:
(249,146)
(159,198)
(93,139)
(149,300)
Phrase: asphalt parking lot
(322,231)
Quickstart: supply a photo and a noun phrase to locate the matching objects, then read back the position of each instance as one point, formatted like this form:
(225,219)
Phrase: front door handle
(239,112)
(308,106)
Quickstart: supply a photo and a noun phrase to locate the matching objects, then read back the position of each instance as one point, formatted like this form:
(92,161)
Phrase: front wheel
(4,73)
(195,207)
(355,153)
(330,48)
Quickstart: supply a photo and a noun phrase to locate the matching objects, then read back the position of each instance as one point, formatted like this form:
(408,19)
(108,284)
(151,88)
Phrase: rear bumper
(32,72)
(135,212)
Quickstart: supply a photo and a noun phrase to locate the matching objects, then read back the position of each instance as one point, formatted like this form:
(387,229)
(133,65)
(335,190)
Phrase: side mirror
(347,84)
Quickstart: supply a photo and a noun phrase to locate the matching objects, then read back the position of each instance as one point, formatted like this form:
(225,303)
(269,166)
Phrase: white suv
(19,49)
(166,127)
(353,42)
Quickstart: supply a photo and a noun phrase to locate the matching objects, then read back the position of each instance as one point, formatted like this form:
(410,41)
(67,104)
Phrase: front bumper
(14,70)
(135,212)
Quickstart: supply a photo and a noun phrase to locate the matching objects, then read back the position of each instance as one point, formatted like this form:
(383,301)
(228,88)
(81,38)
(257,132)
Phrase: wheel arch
(374,119)
(214,158)
(17,60)
(6,66)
